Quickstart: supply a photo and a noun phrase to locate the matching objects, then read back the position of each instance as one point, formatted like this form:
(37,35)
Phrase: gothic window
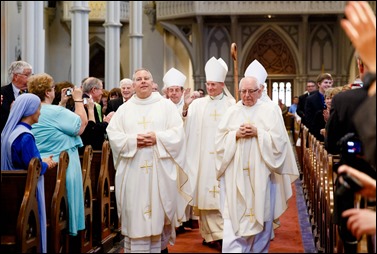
(273,53)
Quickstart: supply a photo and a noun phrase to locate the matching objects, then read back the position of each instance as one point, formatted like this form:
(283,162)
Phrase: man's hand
(144,140)
(247,131)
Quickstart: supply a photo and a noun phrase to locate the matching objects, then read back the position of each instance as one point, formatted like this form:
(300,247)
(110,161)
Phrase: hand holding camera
(368,183)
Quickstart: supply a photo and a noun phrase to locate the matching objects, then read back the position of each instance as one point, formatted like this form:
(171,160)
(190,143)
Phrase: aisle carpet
(293,236)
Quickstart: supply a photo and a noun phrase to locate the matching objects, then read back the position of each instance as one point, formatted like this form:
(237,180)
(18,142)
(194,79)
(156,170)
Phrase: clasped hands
(246,130)
(50,162)
(147,139)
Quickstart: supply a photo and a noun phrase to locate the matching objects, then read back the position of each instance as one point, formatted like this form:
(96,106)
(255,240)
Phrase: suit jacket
(94,133)
(301,107)
(313,104)
(8,98)
(113,105)
(343,108)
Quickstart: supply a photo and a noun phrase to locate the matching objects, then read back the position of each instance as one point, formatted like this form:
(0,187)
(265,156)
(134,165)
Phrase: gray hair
(18,67)
(91,83)
(125,81)
(142,69)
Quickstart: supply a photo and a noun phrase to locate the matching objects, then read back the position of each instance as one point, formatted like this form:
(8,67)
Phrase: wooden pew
(20,228)
(102,236)
(114,220)
(57,206)
(333,243)
(86,243)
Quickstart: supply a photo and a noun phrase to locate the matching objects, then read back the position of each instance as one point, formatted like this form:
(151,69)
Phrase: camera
(68,92)
(346,187)
(352,154)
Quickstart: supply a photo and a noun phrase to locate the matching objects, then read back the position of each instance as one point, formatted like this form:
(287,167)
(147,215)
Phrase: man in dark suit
(126,86)
(310,88)
(343,108)
(95,132)
(19,72)
(316,101)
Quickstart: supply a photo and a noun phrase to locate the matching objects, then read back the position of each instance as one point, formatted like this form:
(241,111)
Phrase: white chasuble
(247,164)
(150,184)
(204,115)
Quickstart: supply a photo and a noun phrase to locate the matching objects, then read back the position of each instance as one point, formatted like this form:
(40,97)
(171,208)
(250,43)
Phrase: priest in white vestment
(250,148)
(281,183)
(148,143)
(202,118)
(174,82)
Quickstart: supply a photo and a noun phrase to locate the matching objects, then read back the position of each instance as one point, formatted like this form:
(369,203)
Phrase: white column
(33,35)
(136,35)
(4,43)
(112,44)
(80,41)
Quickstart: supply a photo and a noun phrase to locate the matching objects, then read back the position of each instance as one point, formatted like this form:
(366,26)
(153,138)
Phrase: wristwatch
(368,79)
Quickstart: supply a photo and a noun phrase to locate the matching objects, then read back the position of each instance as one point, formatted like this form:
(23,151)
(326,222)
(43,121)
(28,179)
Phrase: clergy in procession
(202,118)
(250,147)
(281,183)
(174,82)
(148,143)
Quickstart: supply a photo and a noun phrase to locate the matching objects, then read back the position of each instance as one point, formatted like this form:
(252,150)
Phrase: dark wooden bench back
(86,244)
(20,228)
(57,205)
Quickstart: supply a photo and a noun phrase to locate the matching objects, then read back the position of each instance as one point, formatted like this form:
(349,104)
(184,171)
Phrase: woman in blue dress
(57,130)
(18,147)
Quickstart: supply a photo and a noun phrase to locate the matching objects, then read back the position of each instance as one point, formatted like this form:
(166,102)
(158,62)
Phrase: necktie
(99,111)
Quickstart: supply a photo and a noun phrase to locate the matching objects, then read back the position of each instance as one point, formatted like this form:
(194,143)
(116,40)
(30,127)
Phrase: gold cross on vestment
(251,214)
(214,191)
(144,122)
(146,166)
(248,168)
(149,211)
(215,114)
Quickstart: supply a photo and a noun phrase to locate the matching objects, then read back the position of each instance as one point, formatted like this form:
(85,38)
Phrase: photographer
(360,27)
(361,221)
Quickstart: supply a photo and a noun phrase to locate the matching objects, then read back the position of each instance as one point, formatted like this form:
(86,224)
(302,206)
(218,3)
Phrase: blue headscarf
(24,105)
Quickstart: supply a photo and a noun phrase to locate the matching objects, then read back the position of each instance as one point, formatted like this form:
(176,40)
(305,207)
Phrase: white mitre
(174,78)
(256,69)
(216,70)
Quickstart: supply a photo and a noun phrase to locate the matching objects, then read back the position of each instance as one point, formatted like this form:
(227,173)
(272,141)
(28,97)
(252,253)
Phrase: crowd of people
(182,155)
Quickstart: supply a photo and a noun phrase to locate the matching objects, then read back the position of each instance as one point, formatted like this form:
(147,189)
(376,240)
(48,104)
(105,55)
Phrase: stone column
(112,44)
(33,35)
(80,41)
(136,35)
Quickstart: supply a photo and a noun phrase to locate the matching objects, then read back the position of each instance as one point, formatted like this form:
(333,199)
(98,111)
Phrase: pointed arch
(97,58)
(321,44)
(272,41)
(219,36)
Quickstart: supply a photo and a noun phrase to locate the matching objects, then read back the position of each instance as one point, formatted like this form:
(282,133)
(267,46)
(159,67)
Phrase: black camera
(68,92)
(351,154)
(346,187)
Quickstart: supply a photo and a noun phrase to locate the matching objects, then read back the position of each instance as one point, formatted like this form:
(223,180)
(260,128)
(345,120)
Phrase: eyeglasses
(26,75)
(250,91)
